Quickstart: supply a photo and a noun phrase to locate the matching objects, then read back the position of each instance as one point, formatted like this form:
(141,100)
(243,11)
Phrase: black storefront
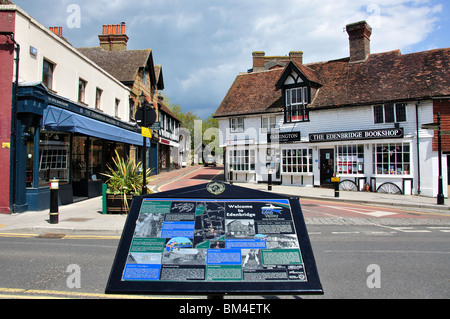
(57,138)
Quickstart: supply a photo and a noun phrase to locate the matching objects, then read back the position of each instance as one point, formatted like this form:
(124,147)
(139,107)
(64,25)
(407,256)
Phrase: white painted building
(357,118)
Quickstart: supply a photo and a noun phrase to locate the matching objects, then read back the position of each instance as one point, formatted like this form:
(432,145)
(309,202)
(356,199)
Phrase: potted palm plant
(125,181)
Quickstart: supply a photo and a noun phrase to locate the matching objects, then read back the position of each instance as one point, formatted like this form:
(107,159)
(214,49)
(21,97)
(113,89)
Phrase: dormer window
(296,100)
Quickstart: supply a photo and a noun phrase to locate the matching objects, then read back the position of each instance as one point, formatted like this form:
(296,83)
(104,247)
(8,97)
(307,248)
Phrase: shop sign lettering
(357,135)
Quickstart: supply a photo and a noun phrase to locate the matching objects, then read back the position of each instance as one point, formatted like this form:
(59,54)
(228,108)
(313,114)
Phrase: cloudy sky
(204,44)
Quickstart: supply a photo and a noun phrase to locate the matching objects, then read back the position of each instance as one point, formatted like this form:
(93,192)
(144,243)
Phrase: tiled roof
(383,77)
(252,93)
(123,65)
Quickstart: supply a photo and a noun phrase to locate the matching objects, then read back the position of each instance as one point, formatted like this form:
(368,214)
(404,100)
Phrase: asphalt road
(361,251)
(410,264)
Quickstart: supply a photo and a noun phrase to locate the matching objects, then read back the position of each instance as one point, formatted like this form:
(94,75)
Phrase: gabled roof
(307,74)
(383,77)
(123,65)
(252,93)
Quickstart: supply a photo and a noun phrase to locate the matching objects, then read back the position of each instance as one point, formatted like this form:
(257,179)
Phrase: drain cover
(77,219)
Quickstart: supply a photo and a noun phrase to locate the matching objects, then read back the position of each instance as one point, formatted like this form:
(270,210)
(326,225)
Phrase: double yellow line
(18,293)
(63,236)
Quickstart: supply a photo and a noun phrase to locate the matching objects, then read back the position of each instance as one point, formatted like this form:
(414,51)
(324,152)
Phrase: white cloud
(204,44)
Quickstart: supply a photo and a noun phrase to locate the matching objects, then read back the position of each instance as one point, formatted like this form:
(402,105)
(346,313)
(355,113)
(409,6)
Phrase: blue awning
(61,120)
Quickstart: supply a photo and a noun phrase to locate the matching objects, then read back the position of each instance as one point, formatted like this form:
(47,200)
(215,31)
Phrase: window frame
(386,159)
(390,113)
(237,124)
(271,123)
(82,85)
(297,161)
(296,100)
(47,78)
(350,159)
(242,160)
(98,98)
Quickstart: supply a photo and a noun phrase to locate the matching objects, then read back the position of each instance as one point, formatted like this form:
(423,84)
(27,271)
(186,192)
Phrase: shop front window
(95,159)
(242,160)
(392,159)
(54,151)
(350,159)
(297,161)
(79,161)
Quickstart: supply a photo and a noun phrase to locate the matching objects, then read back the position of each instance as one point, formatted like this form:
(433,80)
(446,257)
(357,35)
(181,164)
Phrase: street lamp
(440,197)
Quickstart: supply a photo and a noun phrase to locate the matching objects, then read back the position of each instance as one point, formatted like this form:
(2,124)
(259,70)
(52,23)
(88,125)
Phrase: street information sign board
(215,239)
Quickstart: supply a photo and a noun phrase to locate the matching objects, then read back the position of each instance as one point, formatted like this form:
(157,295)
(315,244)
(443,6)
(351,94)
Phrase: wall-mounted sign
(356,135)
(289,137)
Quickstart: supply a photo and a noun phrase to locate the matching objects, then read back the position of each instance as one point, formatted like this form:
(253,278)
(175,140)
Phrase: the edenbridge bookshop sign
(356,135)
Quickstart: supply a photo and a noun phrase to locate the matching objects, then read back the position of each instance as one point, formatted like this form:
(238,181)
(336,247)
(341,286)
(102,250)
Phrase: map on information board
(209,240)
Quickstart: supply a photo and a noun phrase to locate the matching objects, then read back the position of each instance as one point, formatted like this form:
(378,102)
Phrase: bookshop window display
(350,159)
(392,159)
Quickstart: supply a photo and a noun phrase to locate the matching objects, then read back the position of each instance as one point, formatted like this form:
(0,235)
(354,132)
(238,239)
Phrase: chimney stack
(113,37)
(258,61)
(359,35)
(57,31)
(296,56)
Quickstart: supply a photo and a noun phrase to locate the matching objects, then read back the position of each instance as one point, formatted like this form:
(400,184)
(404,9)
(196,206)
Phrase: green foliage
(126,178)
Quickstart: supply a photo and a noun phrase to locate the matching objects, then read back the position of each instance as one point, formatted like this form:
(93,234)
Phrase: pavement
(85,218)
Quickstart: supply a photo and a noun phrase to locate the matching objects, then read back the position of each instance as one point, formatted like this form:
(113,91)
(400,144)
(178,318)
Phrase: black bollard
(54,201)
(269,186)
(336,181)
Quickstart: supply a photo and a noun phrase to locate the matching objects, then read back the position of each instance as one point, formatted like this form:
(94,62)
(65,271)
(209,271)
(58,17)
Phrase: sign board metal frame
(257,214)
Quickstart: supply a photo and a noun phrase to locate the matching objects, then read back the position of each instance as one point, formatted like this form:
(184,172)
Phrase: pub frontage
(68,142)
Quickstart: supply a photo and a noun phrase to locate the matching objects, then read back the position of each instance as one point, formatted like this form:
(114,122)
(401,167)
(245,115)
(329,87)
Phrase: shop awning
(61,120)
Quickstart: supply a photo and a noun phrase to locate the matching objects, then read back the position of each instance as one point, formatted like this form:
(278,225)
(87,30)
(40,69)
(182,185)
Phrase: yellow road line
(18,293)
(90,237)
(20,235)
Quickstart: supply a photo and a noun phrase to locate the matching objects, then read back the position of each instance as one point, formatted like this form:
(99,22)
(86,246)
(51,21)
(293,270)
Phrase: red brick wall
(442,106)
(7,23)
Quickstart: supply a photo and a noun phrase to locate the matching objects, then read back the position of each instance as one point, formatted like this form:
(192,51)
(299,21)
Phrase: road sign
(156,126)
(430,126)
(215,239)
(150,116)
(146,132)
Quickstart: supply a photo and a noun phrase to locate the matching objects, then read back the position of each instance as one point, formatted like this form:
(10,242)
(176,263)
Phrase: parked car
(210,160)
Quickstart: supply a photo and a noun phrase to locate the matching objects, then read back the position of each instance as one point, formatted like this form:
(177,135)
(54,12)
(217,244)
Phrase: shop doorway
(326,167)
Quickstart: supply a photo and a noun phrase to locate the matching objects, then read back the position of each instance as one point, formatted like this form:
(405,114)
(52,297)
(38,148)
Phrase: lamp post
(440,196)
(143,101)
